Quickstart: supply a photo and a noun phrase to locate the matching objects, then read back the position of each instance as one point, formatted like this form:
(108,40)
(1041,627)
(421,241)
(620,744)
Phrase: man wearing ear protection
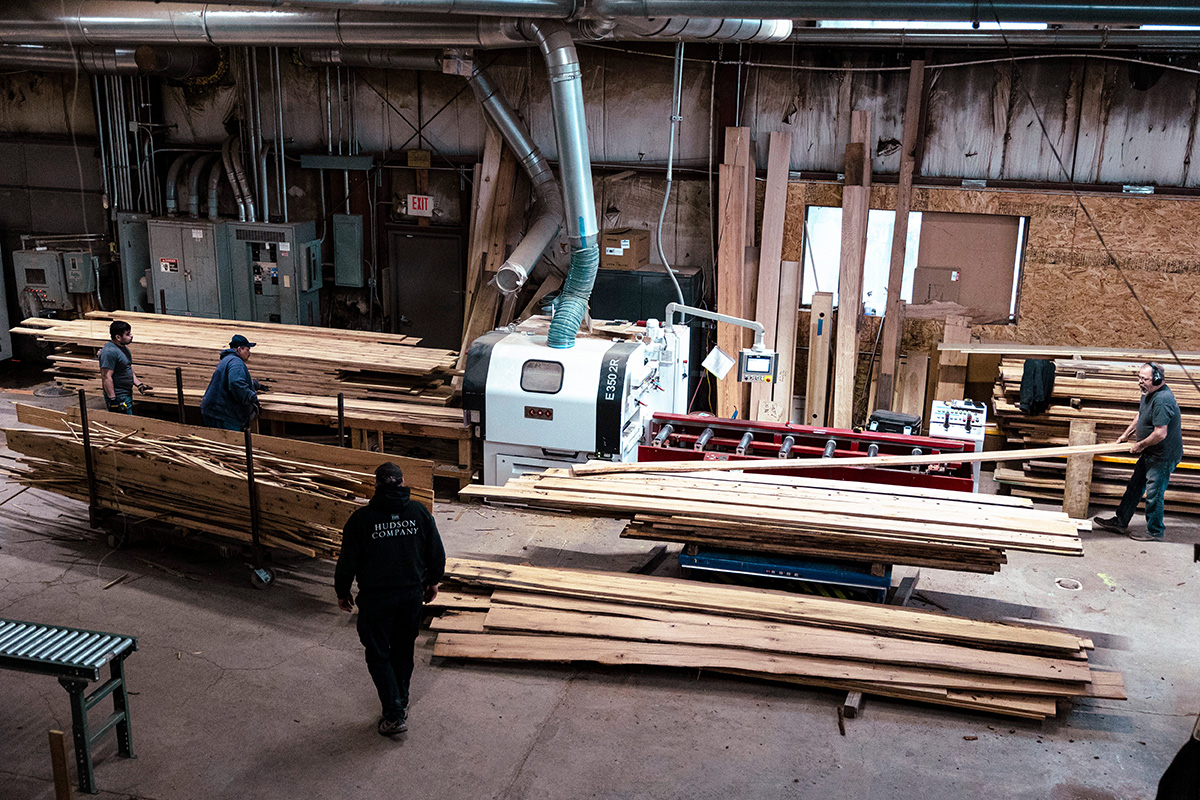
(1159,444)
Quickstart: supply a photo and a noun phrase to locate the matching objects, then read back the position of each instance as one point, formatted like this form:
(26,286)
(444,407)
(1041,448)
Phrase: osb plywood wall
(1070,292)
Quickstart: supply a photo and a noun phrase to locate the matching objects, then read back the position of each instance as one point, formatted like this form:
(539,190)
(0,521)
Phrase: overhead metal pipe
(1101,12)
(93,60)
(100,22)
(1097,12)
(545,227)
(374,58)
(239,172)
(179,63)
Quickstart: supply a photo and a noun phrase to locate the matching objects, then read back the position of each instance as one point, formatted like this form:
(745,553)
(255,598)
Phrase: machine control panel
(958,419)
(538,412)
(757,366)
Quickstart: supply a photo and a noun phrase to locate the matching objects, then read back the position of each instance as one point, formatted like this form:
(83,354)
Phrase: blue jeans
(224,424)
(1149,478)
(388,623)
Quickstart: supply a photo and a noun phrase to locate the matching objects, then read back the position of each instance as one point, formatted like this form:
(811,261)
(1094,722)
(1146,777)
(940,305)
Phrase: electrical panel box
(276,270)
(82,270)
(6,349)
(347,250)
(133,239)
(41,282)
(190,268)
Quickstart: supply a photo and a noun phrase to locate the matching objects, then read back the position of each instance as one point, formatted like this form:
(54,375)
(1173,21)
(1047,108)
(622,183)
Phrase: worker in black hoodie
(392,546)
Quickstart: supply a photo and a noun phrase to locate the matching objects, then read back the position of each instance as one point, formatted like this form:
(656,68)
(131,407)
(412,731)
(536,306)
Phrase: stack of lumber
(195,478)
(298,359)
(504,612)
(804,517)
(1096,385)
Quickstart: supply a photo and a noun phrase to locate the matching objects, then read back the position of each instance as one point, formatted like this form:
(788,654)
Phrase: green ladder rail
(76,657)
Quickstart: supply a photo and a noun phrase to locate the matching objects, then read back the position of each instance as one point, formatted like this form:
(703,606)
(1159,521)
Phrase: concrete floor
(244,693)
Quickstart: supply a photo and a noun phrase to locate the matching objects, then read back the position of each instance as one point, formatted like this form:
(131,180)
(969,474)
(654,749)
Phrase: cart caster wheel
(262,578)
(118,540)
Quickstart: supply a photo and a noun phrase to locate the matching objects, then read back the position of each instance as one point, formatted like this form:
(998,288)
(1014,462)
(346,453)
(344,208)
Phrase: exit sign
(420,205)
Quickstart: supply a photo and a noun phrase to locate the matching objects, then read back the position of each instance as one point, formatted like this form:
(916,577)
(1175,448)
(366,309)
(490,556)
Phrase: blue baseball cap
(240,341)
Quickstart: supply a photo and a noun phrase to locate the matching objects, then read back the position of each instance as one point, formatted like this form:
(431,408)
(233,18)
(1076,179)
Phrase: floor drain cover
(1070,584)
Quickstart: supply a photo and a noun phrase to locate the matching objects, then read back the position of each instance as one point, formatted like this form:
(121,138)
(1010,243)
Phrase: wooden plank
(1077,491)
(60,765)
(820,334)
(653,591)
(604,467)
(730,268)
(770,291)
(783,390)
(910,384)
(893,319)
(739,152)
(689,628)
(952,367)
(856,199)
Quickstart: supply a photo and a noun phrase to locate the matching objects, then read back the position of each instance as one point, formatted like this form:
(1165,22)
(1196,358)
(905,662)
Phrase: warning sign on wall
(168,265)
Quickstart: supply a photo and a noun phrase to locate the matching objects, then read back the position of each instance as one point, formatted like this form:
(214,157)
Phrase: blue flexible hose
(572,305)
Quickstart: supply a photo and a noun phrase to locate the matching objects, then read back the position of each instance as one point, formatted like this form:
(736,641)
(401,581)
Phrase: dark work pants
(388,622)
(224,424)
(1150,478)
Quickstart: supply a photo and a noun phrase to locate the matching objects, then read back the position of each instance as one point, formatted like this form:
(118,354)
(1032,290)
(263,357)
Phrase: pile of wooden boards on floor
(804,517)
(390,384)
(1094,385)
(297,359)
(506,612)
(195,478)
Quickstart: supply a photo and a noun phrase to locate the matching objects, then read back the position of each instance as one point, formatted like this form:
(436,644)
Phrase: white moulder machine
(537,407)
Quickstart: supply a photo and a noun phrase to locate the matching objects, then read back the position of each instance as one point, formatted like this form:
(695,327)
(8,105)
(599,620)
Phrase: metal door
(427,265)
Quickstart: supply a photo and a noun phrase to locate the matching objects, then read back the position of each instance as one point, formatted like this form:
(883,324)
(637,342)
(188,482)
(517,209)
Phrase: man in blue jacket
(231,399)
(393,548)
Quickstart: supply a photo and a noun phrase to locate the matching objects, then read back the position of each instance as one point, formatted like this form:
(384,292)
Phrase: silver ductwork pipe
(546,225)
(376,58)
(198,167)
(108,22)
(93,60)
(1094,12)
(227,162)
(173,183)
(1099,12)
(575,165)
(179,63)
(214,183)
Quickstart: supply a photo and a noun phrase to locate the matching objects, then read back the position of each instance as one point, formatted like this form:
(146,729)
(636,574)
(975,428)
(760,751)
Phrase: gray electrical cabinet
(190,268)
(82,271)
(347,250)
(6,350)
(134,242)
(276,271)
(41,282)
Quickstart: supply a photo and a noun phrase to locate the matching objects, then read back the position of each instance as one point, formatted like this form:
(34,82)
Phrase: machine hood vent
(251,235)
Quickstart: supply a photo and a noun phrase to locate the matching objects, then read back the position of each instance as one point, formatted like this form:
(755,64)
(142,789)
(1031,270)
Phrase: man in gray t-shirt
(1159,444)
(116,370)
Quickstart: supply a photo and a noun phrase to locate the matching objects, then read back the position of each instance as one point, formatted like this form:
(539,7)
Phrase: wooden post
(1077,490)
(770,294)
(731,250)
(820,333)
(60,765)
(856,201)
(893,320)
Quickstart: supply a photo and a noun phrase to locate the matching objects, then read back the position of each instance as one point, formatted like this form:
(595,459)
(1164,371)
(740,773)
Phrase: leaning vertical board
(1077,487)
(820,333)
(856,200)
(731,254)
(767,310)
(952,366)
(785,340)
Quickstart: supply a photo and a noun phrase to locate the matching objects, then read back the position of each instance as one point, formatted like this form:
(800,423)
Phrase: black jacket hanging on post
(1037,382)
